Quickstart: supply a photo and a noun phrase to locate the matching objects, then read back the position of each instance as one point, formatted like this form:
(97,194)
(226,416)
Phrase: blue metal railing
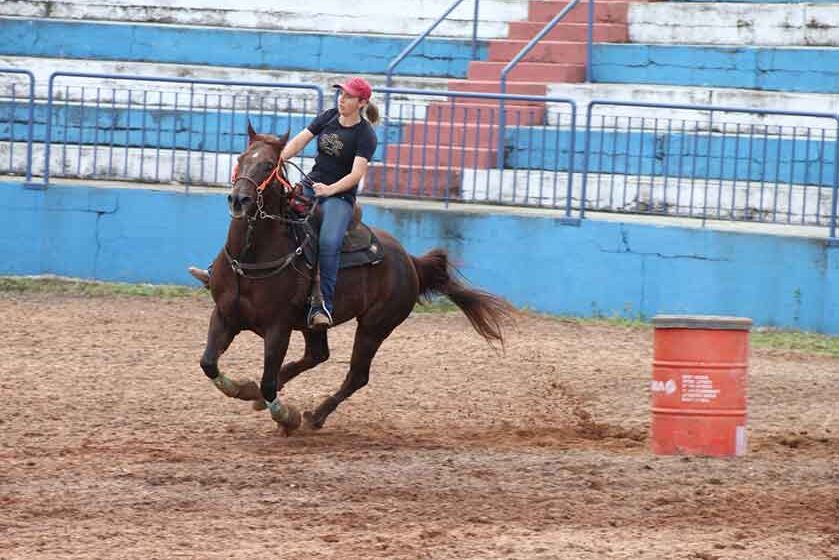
(413,45)
(589,39)
(704,168)
(516,59)
(126,124)
(754,165)
(29,119)
(465,126)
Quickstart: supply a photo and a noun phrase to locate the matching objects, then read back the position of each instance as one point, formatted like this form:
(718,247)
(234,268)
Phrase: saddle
(360,246)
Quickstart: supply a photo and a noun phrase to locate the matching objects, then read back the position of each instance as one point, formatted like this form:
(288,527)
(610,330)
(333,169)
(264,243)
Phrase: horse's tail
(485,311)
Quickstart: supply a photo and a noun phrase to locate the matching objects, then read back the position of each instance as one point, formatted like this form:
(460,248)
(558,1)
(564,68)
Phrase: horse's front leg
(276,346)
(219,337)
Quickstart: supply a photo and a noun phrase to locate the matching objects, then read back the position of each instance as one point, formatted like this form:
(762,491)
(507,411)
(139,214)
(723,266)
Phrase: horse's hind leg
(317,352)
(219,337)
(367,343)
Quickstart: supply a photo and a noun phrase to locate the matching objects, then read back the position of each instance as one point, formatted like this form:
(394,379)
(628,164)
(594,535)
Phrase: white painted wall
(719,23)
(396,17)
(98,162)
(583,94)
(630,194)
(533,188)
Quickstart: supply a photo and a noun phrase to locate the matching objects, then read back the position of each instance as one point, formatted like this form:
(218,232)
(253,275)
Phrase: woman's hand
(323,190)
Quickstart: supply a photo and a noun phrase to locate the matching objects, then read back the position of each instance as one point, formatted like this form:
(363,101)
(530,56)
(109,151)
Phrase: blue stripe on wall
(139,235)
(209,131)
(808,69)
(802,161)
(225,47)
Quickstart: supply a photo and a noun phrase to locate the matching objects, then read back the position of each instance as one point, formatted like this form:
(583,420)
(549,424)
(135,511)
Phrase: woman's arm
(359,169)
(297,144)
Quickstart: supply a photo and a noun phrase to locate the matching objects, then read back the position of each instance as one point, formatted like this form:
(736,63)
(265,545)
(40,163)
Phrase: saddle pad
(360,247)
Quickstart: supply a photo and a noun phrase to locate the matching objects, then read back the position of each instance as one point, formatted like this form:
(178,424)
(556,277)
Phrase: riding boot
(201,275)
(319,317)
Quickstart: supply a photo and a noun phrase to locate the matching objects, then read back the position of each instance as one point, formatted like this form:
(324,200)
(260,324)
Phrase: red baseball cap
(358,87)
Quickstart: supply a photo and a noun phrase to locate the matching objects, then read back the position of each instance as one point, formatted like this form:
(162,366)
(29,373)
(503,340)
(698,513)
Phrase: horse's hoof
(249,391)
(291,423)
(311,423)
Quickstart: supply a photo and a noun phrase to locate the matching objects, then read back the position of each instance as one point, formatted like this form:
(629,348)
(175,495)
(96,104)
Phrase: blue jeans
(337,214)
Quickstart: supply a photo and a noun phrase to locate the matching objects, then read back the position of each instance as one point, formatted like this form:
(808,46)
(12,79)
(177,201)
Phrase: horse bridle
(271,268)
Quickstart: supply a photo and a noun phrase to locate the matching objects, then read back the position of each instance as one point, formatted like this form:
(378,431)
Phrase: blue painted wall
(225,47)
(809,69)
(139,235)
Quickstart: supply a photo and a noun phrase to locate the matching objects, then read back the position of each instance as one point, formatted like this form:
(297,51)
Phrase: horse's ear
(251,133)
(284,139)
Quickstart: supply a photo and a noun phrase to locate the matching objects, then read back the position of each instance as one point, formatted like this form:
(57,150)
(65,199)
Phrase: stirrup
(319,319)
(200,274)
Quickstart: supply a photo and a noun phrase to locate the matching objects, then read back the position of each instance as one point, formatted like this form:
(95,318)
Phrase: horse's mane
(274,141)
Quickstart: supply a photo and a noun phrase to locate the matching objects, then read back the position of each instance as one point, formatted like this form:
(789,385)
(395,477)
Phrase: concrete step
(604,12)
(403,180)
(440,155)
(603,32)
(538,72)
(494,86)
(562,52)
(478,113)
(454,134)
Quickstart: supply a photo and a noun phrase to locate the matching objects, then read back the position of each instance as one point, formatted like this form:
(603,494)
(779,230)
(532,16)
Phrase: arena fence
(695,161)
(17,98)
(162,130)
(711,162)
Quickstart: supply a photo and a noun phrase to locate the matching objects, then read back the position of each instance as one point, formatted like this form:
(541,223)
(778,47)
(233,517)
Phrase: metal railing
(711,162)
(413,45)
(17,120)
(442,146)
(154,129)
(522,53)
(696,161)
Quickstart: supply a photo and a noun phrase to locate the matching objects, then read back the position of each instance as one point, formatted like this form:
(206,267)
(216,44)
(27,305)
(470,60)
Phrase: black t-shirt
(337,148)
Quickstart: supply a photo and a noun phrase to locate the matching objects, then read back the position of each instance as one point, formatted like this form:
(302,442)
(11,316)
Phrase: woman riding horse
(346,142)
(258,286)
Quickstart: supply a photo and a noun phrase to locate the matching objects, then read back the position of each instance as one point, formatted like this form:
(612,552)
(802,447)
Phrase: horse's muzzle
(239,205)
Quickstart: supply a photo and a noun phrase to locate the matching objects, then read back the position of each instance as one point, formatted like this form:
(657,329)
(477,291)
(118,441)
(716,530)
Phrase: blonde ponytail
(371,113)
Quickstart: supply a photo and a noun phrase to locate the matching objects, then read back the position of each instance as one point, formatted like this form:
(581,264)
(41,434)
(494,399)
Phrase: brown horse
(260,284)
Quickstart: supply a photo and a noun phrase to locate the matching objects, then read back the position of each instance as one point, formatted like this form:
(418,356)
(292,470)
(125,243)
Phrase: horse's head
(254,172)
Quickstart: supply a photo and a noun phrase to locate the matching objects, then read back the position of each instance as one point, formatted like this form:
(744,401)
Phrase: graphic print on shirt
(331,144)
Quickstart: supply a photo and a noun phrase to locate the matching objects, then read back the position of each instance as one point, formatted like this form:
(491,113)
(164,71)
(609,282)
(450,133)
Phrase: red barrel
(699,385)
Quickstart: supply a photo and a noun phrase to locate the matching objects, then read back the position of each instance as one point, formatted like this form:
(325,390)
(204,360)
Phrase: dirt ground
(114,445)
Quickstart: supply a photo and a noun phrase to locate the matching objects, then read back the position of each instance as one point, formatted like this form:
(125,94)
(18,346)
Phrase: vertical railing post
(48,134)
(475,30)
(586,153)
(835,203)
(589,40)
(572,155)
(30,125)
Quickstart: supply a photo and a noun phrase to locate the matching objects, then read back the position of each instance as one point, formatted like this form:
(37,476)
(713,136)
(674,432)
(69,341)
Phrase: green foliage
(85,288)
(799,341)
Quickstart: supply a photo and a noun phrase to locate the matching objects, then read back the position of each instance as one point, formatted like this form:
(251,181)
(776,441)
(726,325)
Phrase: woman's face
(349,105)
